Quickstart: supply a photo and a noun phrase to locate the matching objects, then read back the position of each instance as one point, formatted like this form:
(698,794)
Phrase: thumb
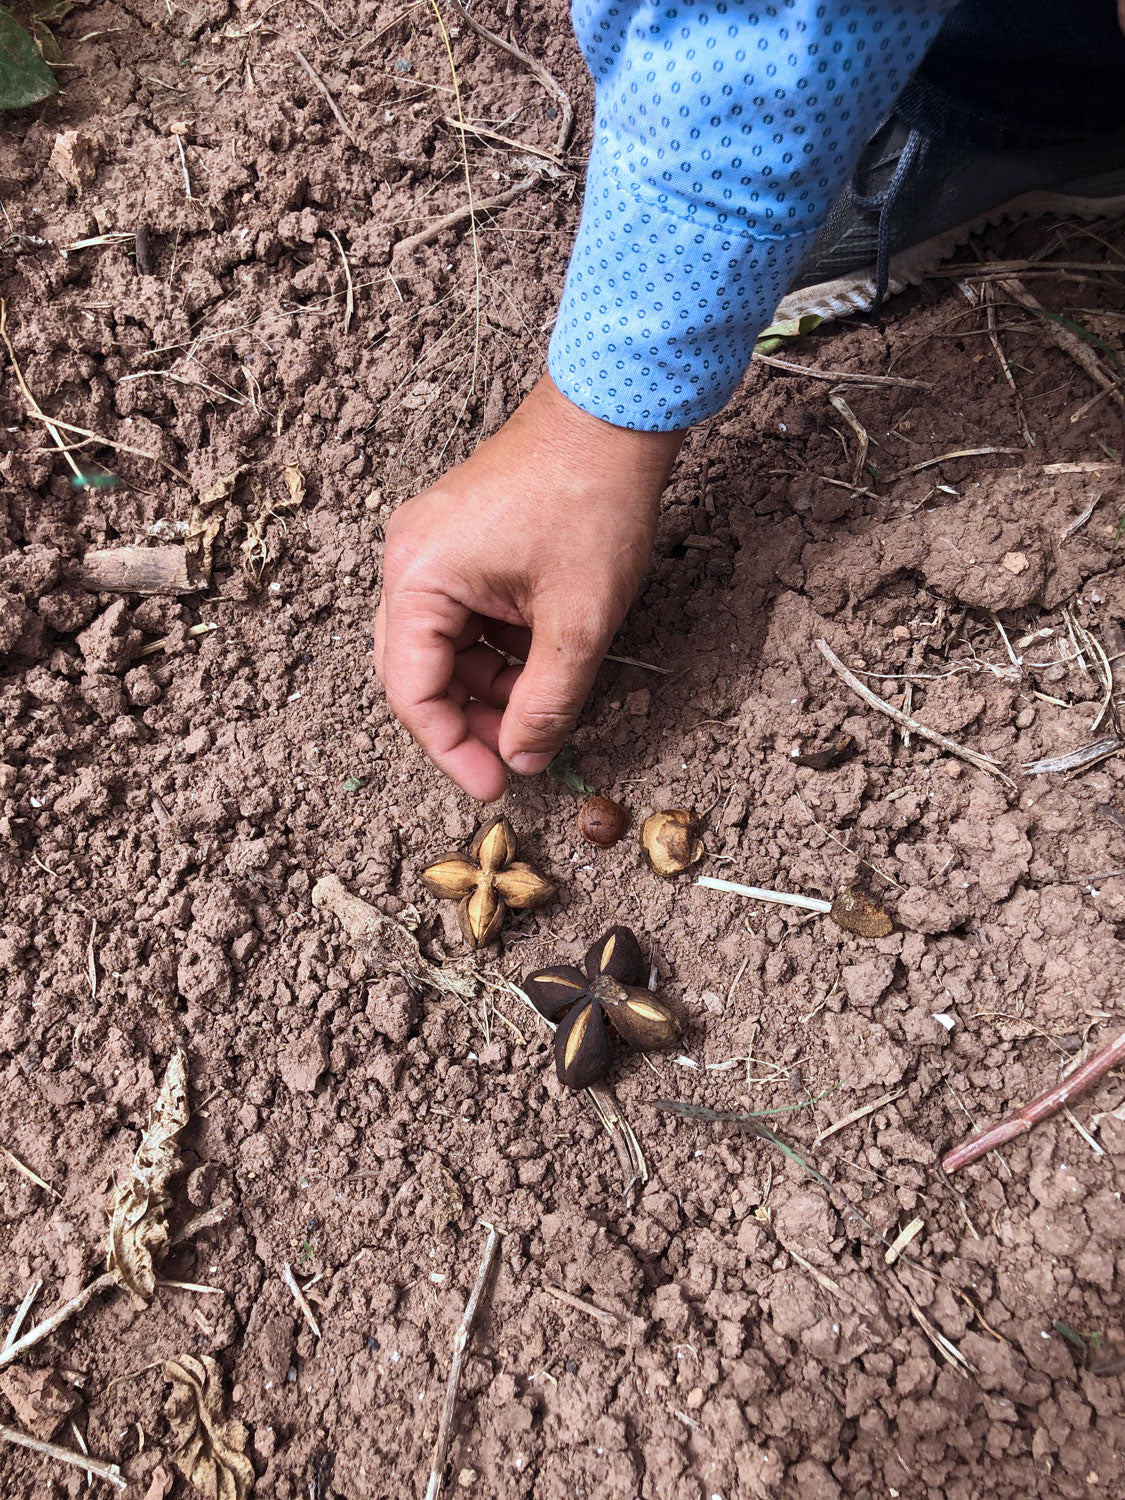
(549,693)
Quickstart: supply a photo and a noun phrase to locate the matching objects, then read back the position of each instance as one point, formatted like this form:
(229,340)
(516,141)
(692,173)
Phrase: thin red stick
(1021,1120)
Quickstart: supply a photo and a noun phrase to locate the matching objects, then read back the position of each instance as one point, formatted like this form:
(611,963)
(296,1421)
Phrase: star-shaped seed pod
(488,881)
(580,1004)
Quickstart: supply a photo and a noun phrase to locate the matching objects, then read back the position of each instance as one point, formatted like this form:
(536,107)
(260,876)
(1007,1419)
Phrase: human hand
(532,548)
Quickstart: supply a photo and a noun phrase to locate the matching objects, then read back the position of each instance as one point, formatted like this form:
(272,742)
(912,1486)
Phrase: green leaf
(562,769)
(355,783)
(25,77)
(776,334)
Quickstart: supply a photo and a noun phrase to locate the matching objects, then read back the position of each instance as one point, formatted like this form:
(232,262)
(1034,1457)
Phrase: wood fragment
(43,1330)
(139,570)
(460,1345)
(299,1298)
(579,1304)
(1021,1120)
(95,1466)
(982,762)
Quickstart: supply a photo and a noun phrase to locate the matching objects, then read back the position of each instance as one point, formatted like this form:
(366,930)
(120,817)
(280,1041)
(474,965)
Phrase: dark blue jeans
(1010,73)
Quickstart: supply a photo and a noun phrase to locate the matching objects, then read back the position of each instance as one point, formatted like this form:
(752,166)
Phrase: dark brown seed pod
(832,753)
(618,955)
(602,821)
(582,1046)
(640,1019)
(854,911)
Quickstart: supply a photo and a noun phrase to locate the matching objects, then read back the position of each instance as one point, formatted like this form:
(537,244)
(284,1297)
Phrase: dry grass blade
(1067,340)
(138,1213)
(299,1298)
(349,302)
(93,1466)
(942,458)
(470,209)
(460,1345)
(25,1171)
(858,1114)
(1074,760)
(903,1239)
(21,1313)
(55,1320)
(623,1137)
(843,377)
(981,762)
(210,1448)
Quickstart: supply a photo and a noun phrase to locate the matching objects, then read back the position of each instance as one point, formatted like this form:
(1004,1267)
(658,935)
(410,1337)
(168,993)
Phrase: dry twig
(324,89)
(1020,1121)
(1068,341)
(460,1344)
(847,377)
(109,1472)
(42,1330)
(982,762)
(25,1171)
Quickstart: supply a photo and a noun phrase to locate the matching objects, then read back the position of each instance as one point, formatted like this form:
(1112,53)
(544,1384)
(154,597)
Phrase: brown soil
(180,805)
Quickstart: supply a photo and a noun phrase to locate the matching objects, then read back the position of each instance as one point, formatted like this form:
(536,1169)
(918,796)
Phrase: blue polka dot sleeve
(723,132)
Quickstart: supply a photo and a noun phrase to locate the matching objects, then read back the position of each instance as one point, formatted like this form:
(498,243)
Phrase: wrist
(577,437)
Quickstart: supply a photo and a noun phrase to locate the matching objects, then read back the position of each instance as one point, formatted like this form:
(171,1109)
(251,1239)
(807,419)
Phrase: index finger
(421,632)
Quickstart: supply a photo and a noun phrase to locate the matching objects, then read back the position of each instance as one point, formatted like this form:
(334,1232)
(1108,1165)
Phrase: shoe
(913,200)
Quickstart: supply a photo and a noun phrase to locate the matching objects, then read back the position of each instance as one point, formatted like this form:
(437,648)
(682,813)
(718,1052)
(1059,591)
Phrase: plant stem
(783,898)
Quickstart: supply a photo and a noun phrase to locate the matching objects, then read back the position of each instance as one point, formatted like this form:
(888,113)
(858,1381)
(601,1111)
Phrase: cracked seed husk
(854,911)
(670,841)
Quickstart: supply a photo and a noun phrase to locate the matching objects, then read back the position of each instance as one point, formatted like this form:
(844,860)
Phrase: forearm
(721,139)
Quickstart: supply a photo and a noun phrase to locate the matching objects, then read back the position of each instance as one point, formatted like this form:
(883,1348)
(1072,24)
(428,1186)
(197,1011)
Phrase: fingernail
(526,764)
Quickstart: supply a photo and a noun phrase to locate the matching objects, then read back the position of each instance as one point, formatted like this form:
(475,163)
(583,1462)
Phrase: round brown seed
(602,821)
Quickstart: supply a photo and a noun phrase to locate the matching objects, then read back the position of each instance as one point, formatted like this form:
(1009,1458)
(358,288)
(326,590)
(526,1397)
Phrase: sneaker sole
(855,293)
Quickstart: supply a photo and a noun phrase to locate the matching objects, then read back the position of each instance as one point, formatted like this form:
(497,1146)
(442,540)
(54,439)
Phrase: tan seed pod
(494,847)
(522,888)
(641,1020)
(670,841)
(453,877)
(854,911)
(481,915)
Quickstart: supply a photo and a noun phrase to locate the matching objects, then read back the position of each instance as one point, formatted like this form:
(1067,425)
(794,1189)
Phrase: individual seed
(452,877)
(582,1047)
(671,842)
(522,888)
(481,915)
(494,847)
(618,955)
(602,821)
(833,752)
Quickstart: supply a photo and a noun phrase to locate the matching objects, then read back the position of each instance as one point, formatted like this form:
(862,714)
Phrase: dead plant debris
(138,1227)
(671,842)
(210,1449)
